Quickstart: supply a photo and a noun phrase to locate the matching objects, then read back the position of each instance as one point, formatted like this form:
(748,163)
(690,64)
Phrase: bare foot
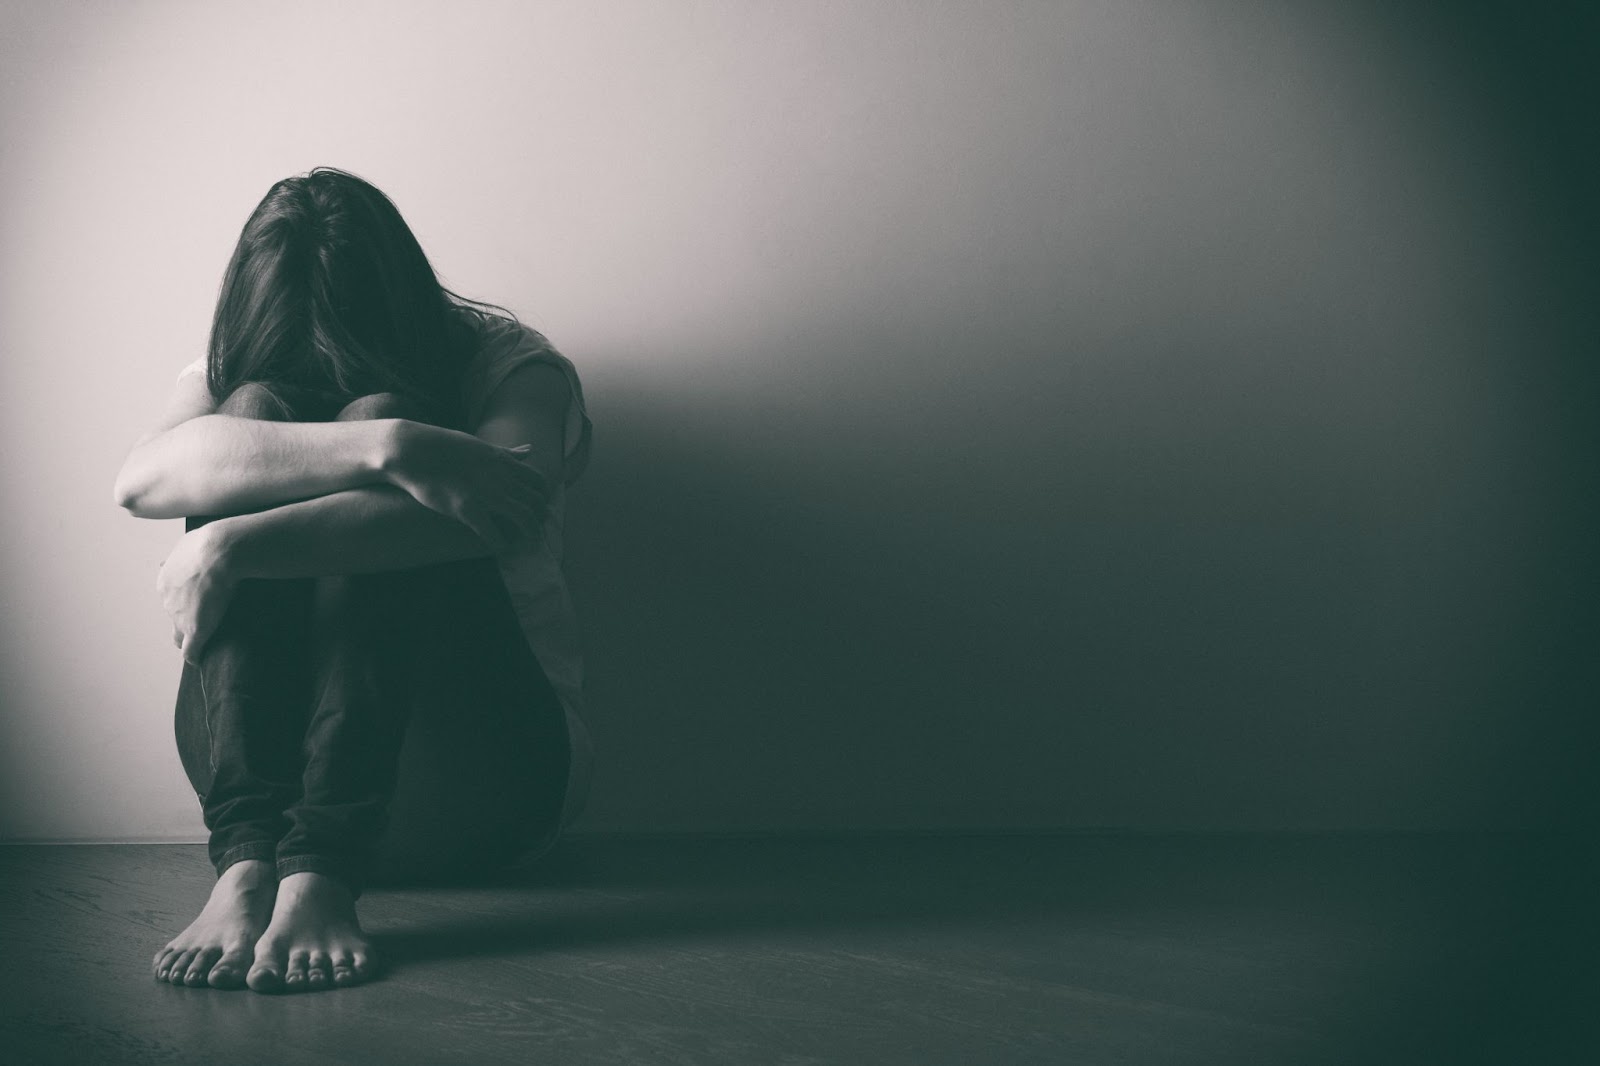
(215,949)
(314,941)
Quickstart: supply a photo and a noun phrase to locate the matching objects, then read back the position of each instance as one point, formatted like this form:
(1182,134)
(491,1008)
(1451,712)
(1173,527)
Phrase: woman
(381,674)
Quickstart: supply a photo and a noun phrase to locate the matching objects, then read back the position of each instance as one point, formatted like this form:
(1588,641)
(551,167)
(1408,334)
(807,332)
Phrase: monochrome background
(1122,415)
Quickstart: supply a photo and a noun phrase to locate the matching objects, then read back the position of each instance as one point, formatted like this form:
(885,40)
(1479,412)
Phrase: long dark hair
(328,292)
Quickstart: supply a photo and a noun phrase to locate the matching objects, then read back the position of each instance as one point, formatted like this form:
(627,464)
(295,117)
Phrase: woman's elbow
(130,498)
(125,492)
(135,493)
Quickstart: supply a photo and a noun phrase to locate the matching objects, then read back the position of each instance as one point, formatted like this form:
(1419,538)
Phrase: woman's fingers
(517,499)
(517,457)
(527,480)
(530,480)
(196,643)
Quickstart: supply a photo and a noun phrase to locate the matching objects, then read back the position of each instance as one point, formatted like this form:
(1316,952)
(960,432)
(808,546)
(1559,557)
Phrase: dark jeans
(393,724)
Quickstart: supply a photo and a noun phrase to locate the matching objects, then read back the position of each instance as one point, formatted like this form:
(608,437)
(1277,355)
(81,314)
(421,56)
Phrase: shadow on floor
(1449,945)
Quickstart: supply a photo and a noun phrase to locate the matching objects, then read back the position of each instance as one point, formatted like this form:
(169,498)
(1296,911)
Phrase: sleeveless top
(533,575)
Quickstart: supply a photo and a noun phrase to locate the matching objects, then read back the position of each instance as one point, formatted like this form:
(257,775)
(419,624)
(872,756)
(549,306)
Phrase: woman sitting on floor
(381,671)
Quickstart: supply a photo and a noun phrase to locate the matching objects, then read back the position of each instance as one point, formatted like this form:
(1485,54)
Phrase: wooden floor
(1056,949)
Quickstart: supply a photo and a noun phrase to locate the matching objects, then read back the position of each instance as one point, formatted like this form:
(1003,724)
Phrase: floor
(884,950)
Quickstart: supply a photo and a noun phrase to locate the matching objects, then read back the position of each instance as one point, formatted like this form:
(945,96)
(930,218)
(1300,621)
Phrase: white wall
(1007,414)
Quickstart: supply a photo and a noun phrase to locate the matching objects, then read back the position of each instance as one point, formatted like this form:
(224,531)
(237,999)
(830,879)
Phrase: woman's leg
(241,710)
(483,768)
(435,653)
(239,719)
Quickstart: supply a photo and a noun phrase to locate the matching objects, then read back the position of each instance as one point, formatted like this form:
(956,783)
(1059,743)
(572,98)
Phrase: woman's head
(328,290)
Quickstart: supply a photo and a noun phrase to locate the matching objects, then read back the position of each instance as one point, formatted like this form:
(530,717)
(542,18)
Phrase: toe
(294,978)
(159,965)
(343,968)
(180,966)
(201,966)
(266,973)
(264,977)
(318,972)
(230,970)
(363,965)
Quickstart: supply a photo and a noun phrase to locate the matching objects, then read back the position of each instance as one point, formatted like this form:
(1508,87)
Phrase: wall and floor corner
(1125,415)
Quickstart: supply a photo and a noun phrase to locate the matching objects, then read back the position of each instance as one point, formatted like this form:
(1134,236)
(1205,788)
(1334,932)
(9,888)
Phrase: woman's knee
(382,405)
(253,399)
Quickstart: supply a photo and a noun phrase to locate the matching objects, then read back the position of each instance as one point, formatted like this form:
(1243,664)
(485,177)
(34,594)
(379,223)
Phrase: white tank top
(534,576)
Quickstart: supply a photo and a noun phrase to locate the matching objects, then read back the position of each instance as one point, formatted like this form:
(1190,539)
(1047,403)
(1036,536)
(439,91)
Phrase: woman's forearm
(222,464)
(354,531)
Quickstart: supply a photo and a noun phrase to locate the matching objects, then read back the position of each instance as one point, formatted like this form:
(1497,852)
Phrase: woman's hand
(196,585)
(484,486)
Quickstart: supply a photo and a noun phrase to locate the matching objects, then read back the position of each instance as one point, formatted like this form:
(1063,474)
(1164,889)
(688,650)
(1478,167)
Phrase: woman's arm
(221,464)
(383,527)
(474,508)
(353,531)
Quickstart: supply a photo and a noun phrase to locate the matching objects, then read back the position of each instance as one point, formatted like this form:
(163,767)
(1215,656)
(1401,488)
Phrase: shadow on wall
(1204,517)
(1052,583)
